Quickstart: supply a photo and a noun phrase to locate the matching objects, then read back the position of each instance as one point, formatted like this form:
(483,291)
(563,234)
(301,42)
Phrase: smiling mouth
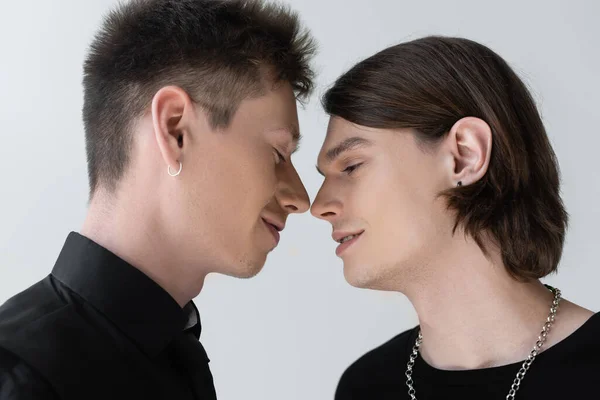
(346,242)
(349,237)
(274,230)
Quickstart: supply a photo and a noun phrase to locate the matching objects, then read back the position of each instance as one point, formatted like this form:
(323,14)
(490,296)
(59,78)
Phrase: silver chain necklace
(524,368)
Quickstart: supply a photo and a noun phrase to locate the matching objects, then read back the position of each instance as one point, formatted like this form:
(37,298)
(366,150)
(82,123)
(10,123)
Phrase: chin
(249,272)
(357,275)
(367,276)
(249,268)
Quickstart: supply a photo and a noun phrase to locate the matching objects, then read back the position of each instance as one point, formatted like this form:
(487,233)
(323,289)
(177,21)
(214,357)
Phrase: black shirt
(568,370)
(98,328)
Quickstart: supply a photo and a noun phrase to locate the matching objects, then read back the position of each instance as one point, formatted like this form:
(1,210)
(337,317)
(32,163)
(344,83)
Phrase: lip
(337,236)
(274,228)
(275,222)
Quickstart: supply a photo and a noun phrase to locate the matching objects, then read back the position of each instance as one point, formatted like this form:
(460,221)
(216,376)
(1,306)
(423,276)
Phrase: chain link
(522,371)
(411,364)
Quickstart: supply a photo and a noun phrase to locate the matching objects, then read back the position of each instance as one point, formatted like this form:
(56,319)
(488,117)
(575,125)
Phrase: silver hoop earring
(176,173)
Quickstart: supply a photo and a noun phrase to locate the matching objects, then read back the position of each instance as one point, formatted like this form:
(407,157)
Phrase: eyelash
(351,168)
(280,156)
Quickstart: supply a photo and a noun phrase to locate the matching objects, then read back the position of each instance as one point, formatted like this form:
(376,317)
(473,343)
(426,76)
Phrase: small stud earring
(459,184)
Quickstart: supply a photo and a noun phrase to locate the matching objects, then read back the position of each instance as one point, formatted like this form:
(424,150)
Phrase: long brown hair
(429,84)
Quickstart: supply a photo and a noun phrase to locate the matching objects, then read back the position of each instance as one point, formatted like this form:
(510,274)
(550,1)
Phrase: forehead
(339,129)
(273,109)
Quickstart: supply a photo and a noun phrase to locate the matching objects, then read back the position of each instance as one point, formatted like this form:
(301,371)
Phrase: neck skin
(473,314)
(130,225)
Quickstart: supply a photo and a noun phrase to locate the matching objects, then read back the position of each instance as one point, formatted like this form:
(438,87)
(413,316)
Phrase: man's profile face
(380,195)
(242,184)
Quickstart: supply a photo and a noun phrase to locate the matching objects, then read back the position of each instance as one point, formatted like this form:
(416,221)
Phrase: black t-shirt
(568,370)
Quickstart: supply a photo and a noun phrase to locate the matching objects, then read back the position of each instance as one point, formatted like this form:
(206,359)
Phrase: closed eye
(280,157)
(351,168)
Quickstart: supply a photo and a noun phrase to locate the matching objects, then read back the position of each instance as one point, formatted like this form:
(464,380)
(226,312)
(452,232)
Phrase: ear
(172,118)
(469,145)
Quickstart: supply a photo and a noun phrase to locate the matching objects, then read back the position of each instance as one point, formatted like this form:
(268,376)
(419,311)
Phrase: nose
(326,206)
(291,193)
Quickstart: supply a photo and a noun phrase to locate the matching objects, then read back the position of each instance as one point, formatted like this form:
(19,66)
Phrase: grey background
(290,332)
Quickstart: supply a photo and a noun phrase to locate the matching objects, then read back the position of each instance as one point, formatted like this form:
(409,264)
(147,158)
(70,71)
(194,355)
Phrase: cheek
(248,195)
(260,181)
(229,192)
(250,176)
(399,210)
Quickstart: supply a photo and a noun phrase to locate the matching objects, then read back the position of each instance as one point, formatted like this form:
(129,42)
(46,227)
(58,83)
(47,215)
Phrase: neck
(473,314)
(125,229)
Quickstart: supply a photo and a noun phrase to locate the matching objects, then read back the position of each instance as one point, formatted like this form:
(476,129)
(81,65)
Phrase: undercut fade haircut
(219,51)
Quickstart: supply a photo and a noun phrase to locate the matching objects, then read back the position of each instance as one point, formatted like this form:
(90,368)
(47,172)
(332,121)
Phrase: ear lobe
(171,113)
(471,147)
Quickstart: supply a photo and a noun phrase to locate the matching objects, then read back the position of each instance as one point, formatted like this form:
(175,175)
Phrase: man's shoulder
(43,329)
(29,307)
(46,331)
(18,381)
(582,347)
(377,367)
(47,318)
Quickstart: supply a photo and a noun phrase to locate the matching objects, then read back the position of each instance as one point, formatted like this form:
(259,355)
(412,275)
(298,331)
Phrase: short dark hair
(427,85)
(218,51)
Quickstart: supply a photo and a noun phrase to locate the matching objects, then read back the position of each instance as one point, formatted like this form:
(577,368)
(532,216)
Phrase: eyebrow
(348,144)
(295,134)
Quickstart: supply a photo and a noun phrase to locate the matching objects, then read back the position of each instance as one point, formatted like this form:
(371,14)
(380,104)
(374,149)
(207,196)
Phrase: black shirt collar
(136,304)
